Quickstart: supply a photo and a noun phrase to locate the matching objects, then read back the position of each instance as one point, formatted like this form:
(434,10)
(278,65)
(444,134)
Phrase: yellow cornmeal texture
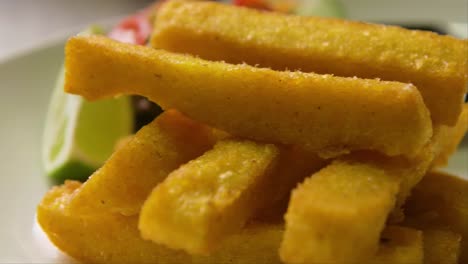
(336,215)
(441,246)
(400,245)
(323,113)
(440,201)
(105,237)
(435,154)
(449,138)
(294,165)
(212,197)
(358,191)
(410,171)
(209,198)
(129,175)
(436,64)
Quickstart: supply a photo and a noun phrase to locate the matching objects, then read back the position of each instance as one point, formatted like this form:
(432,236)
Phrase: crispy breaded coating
(294,165)
(443,144)
(129,175)
(204,201)
(105,237)
(322,113)
(436,64)
(415,169)
(212,197)
(400,245)
(440,201)
(449,138)
(337,215)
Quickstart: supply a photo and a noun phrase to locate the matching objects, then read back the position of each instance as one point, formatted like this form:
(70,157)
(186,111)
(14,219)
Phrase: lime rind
(59,134)
(57,137)
(94,141)
(75,170)
(82,132)
(92,30)
(85,135)
(80,135)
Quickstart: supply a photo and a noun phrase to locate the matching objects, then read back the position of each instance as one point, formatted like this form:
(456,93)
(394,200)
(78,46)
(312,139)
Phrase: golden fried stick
(400,245)
(449,138)
(105,237)
(294,165)
(337,215)
(441,246)
(129,175)
(436,64)
(443,143)
(320,112)
(440,201)
(212,197)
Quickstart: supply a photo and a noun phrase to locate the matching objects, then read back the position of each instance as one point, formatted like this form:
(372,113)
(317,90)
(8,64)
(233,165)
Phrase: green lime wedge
(80,135)
(323,8)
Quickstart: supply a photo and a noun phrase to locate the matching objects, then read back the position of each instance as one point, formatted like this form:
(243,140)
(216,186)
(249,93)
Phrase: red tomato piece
(134,29)
(257,4)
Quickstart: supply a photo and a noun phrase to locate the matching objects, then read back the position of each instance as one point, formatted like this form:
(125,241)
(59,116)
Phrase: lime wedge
(323,8)
(80,135)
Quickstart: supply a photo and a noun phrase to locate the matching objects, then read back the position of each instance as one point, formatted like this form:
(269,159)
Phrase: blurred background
(27,23)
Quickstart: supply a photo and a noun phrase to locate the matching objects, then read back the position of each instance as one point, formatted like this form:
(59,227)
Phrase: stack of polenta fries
(285,140)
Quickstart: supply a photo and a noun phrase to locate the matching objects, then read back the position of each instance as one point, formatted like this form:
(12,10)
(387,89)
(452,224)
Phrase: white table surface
(28,23)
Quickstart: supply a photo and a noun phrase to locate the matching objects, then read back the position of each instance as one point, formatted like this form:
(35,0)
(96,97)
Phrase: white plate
(26,82)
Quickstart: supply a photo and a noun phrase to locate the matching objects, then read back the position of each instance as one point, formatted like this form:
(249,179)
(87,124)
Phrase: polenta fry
(212,197)
(358,191)
(443,143)
(209,198)
(294,166)
(441,246)
(440,201)
(400,245)
(322,113)
(415,169)
(449,138)
(436,64)
(129,175)
(343,118)
(323,209)
(105,237)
